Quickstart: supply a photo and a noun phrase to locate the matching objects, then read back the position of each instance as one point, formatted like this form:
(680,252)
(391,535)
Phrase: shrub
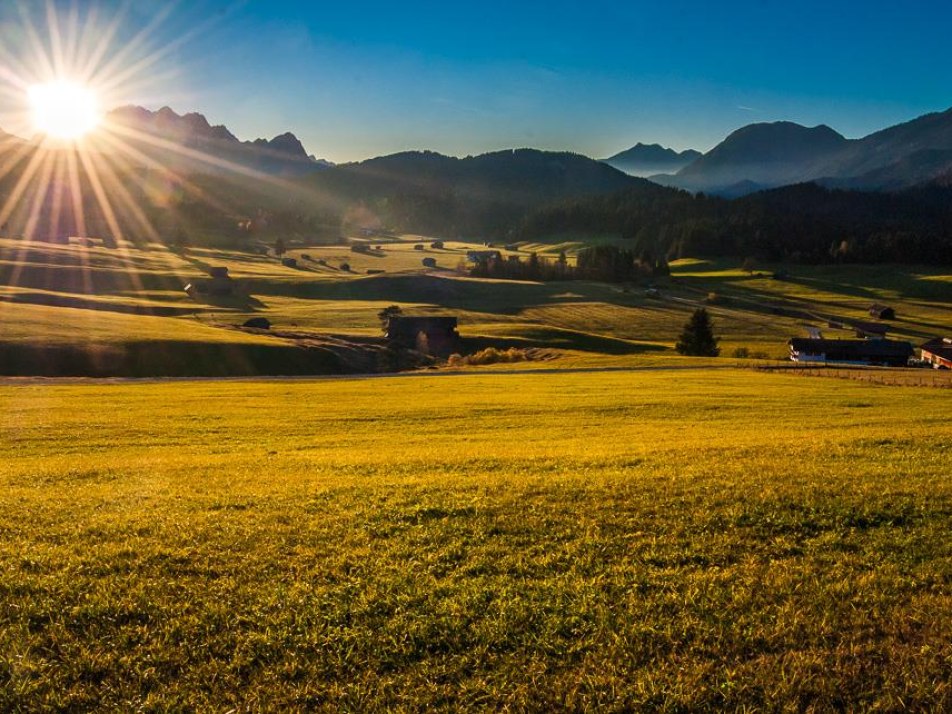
(490,355)
(741,353)
(345,267)
(437,245)
(418,246)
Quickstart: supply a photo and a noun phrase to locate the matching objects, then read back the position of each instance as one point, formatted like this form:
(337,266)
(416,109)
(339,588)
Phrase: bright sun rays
(64,110)
(75,172)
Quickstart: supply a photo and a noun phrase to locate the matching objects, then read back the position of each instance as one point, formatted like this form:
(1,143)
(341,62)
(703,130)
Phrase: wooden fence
(895,377)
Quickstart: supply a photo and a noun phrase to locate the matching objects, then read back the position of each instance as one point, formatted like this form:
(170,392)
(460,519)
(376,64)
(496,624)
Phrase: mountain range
(752,158)
(189,143)
(648,159)
(761,156)
(189,177)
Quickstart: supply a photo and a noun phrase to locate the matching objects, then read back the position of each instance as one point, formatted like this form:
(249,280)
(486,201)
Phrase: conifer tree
(697,339)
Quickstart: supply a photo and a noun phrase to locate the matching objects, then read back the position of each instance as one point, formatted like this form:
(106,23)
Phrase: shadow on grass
(167,358)
(504,297)
(82,303)
(555,338)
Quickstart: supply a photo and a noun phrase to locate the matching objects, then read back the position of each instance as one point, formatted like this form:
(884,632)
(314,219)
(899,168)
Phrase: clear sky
(358,79)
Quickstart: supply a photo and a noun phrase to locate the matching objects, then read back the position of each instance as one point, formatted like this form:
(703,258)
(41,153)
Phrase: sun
(64,110)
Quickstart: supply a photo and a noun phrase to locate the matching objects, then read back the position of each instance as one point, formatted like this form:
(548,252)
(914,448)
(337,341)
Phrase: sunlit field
(129,302)
(387,357)
(660,540)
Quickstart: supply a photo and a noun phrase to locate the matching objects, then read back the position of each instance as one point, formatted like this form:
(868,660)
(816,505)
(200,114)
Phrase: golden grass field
(663,540)
(606,527)
(128,302)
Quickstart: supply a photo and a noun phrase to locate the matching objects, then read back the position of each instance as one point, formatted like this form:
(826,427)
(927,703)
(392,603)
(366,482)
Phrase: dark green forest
(512,196)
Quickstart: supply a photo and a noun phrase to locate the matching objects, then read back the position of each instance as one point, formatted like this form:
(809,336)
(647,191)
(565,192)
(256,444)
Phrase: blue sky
(359,79)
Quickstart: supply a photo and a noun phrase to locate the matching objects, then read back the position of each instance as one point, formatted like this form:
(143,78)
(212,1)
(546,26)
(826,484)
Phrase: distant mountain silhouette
(900,156)
(647,159)
(762,156)
(203,147)
(486,194)
(515,175)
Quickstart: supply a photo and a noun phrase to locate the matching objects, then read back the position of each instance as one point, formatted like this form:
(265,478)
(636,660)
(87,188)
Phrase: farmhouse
(430,335)
(882,312)
(888,353)
(482,256)
(938,352)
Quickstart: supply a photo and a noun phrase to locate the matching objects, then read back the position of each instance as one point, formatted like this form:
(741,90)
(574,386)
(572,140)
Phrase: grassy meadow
(87,310)
(664,540)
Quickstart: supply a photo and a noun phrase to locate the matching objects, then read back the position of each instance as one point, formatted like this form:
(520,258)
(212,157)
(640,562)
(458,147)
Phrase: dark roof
(939,347)
(883,312)
(872,328)
(853,349)
(478,255)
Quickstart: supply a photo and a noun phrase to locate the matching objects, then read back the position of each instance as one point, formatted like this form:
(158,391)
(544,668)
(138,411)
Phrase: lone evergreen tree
(697,339)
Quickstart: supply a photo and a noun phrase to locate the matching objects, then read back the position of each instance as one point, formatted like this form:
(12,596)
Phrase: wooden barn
(429,335)
(886,353)
(870,330)
(221,283)
(938,352)
(218,284)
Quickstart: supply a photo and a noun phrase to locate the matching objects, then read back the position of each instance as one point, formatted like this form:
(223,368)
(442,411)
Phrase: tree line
(605,263)
(805,223)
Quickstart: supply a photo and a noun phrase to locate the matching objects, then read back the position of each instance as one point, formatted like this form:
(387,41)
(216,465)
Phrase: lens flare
(64,110)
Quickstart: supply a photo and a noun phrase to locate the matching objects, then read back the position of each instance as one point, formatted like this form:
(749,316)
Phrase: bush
(418,246)
(345,267)
(437,245)
(490,355)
